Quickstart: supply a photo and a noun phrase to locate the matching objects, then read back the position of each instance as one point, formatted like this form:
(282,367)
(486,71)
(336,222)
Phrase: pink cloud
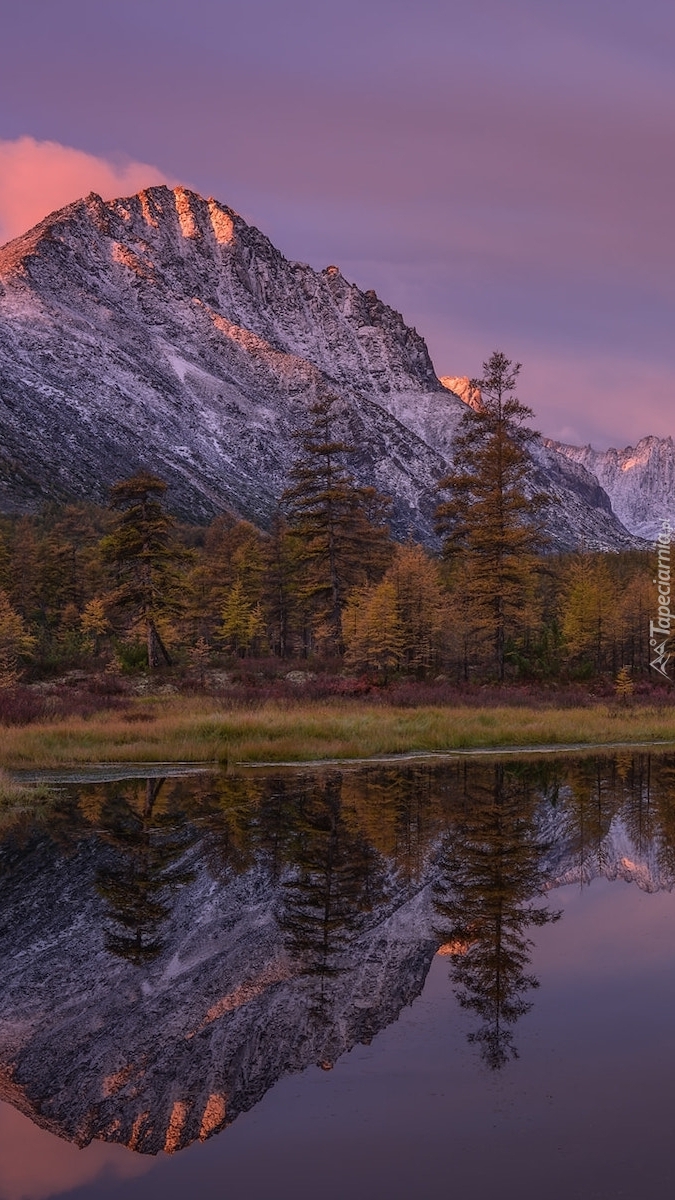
(38,177)
(35,1164)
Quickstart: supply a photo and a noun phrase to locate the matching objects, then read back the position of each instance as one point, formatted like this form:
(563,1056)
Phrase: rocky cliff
(639,480)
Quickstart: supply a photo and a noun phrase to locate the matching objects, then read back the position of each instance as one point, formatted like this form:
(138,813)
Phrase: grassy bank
(193,729)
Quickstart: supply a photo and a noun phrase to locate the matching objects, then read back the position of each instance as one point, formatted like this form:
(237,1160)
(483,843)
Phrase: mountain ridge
(161,331)
(639,480)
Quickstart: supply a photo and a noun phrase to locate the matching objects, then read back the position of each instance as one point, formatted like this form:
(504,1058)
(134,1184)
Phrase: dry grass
(194,729)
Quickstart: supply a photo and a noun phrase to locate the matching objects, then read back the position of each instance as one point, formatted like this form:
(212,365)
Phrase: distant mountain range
(640,480)
(162,331)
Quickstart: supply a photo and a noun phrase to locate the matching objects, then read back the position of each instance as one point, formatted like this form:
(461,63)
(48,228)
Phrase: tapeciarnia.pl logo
(659,630)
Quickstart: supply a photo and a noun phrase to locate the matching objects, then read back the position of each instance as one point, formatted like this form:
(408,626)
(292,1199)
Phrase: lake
(418,979)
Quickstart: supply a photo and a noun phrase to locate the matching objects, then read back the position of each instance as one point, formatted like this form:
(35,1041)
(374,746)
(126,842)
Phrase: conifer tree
(242,621)
(492,504)
(279,587)
(399,621)
(15,642)
(144,552)
(589,610)
(421,605)
(372,630)
(94,622)
(337,544)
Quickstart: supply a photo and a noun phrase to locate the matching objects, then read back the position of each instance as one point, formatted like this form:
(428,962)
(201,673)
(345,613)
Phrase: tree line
(129,587)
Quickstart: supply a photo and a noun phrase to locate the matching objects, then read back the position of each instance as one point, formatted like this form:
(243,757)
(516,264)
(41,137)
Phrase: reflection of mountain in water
(167,953)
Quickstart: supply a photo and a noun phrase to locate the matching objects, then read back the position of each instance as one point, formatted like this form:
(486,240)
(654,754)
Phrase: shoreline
(113,772)
(197,733)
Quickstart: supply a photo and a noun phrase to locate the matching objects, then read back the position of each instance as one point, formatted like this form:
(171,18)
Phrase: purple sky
(503,173)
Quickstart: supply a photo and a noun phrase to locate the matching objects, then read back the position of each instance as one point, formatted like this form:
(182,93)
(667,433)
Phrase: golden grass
(195,730)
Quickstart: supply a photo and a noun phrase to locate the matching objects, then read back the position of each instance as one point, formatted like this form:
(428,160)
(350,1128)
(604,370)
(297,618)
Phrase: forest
(127,588)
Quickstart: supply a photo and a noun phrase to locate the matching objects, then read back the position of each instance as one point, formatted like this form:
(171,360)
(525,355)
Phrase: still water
(407,980)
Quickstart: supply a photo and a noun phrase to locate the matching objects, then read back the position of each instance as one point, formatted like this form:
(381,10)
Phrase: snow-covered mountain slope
(640,480)
(162,331)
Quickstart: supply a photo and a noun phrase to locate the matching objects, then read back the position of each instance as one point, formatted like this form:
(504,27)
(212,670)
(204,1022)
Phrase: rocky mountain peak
(461,386)
(162,331)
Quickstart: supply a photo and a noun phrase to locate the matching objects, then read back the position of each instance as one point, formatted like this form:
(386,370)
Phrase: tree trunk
(158,654)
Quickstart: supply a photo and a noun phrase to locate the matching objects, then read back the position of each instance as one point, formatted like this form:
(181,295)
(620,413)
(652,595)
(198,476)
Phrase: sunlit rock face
(639,480)
(162,331)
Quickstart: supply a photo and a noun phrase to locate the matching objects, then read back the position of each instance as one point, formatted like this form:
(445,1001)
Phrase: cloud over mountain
(38,177)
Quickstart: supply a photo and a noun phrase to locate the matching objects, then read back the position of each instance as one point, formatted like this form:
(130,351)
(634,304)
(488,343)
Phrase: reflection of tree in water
(662,791)
(631,781)
(146,840)
(399,810)
(490,872)
(225,816)
(591,803)
(334,880)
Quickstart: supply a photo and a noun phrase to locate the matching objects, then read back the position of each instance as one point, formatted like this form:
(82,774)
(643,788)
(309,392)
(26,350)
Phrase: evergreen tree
(492,506)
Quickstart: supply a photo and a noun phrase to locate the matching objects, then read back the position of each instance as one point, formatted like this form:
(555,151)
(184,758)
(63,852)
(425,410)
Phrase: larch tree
(338,528)
(16,642)
(372,630)
(492,505)
(242,622)
(400,621)
(143,551)
(590,620)
(279,587)
(421,604)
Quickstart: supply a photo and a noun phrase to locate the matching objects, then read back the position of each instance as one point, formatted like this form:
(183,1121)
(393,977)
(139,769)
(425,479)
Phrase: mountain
(639,480)
(162,331)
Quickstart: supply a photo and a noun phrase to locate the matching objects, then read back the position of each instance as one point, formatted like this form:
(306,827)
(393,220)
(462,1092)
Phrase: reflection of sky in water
(35,1164)
(584,1111)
